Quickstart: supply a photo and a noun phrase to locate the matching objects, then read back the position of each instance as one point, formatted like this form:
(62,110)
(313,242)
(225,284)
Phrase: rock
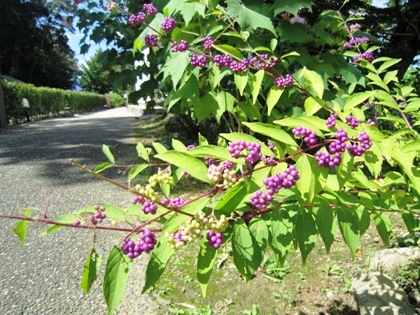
(377,293)
(391,260)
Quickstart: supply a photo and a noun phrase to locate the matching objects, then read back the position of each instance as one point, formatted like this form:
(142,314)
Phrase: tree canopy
(34,46)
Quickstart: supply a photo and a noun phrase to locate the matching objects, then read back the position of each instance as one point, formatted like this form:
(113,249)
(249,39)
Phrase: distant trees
(95,78)
(33,45)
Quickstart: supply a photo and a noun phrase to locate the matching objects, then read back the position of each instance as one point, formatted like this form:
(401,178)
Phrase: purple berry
(150,9)
(151,40)
(168,24)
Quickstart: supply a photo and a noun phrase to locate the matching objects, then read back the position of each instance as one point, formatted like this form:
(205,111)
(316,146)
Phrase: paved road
(43,276)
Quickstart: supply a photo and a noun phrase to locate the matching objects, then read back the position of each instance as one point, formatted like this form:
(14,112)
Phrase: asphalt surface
(43,277)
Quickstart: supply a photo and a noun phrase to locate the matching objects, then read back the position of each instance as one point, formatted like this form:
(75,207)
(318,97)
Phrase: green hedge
(46,102)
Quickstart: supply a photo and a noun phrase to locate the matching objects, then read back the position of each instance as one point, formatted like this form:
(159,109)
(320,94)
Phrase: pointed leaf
(272,131)
(21,228)
(349,229)
(260,232)
(142,152)
(383,225)
(306,233)
(103,166)
(90,270)
(256,84)
(326,224)
(273,97)
(188,163)
(106,150)
(115,278)
(206,259)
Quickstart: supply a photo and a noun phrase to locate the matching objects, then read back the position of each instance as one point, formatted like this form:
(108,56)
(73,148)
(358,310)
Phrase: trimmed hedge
(46,102)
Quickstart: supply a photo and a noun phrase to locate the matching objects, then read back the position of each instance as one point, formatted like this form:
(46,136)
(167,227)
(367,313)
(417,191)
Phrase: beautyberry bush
(318,145)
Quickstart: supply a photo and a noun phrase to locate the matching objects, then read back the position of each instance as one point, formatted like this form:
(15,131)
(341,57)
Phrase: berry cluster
(365,144)
(162,177)
(195,227)
(198,61)
(355,41)
(148,207)
(353,122)
(368,56)
(218,172)
(308,135)
(283,82)
(208,42)
(150,9)
(328,160)
(179,47)
(151,40)
(262,61)
(99,215)
(174,203)
(254,150)
(331,120)
(168,24)
(147,242)
(137,19)
(215,238)
(147,191)
(240,66)
(222,60)
(273,184)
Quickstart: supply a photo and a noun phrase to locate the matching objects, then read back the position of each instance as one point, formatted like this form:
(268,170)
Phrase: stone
(391,260)
(377,293)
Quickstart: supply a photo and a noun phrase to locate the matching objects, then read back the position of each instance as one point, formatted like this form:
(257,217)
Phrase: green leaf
(273,132)
(311,106)
(175,67)
(21,228)
(357,99)
(115,278)
(178,146)
(159,148)
(136,170)
(247,255)
(256,84)
(281,229)
(159,258)
(206,259)
(212,151)
(314,81)
(291,6)
(410,222)
(314,123)
(108,154)
(260,232)
(249,19)
(326,224)
(306,233)
(383,225)
(273,97)
(67,218)
(188,163)
(349,229)
(233,198)
(142,152)
(90,270)
(241,80)
(103,166)
(411,146)
(229,50)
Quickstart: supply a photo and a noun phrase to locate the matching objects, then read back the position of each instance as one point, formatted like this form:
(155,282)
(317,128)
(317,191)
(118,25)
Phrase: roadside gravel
(43,277)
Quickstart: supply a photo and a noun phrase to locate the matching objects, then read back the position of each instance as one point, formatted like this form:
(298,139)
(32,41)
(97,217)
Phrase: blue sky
(75,38)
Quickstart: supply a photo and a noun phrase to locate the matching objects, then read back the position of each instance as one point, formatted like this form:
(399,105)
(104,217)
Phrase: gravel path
(43,277)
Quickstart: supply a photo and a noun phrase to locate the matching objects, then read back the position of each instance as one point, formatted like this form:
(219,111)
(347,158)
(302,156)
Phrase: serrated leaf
(90,270)
(306,233)
(326,224)
(159,258)
(175,67)
(314,81)
(188,163)
(249,19)
(247,255)
(21,228)
(260,232)
(142,152)
(206,259)
(349,229)
(273,132)
(273,97)
(281,229)
(311,106)
(291,6)
(107,151)
(115,278)
(383,226)
(357,99)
